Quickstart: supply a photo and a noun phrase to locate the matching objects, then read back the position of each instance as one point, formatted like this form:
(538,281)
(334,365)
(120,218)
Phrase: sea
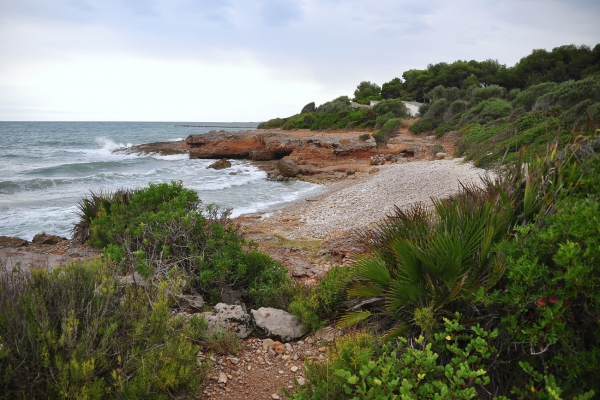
(47,167)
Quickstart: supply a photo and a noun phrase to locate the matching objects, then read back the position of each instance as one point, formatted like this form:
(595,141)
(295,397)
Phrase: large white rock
(277,323)
(230,317)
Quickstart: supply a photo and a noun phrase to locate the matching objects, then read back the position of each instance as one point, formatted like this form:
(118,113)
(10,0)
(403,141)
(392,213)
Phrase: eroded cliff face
(320,156)
(273,145)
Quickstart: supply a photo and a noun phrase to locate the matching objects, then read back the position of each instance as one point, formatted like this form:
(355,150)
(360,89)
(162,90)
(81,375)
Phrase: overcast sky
(250,60)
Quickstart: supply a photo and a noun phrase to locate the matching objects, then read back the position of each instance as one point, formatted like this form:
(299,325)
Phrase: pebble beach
(367,199)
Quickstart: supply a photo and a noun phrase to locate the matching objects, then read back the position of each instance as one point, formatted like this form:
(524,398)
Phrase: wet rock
(288,168)
(42,238)
(6,241)
(277,323)
(221,164)
(230,317)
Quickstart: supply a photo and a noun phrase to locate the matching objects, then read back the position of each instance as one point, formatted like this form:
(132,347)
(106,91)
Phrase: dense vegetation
(82,332)
(464,92)
(493,123)
(76,332)
(491,293)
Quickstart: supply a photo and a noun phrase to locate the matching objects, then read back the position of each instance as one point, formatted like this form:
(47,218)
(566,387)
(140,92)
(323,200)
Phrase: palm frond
(373,269)
(364,289)
(352,318)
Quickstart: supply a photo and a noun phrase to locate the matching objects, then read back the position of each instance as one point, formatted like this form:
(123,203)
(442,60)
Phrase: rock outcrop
(6,241)
(42,238)
(273,145)
(277,323)
(221,164)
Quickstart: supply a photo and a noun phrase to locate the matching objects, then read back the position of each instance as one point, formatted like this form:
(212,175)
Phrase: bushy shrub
(338,105)
(395,107)
(309,108)
(485,93)
(568,94)
(493,108)
(456,107)
(548,298)
(161,228)
(302,121)
(388,130)
(451,365)
(440,92)
(527,98)
(364,137)
(77,332)
(437,109)
(272,123)
(382,119)
(319,304)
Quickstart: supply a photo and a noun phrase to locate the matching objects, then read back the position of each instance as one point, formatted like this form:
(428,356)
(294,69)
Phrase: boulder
(6,241)
(277,323)
(230,317)
(288,168)
(42,238)
(221,164)
(440,155)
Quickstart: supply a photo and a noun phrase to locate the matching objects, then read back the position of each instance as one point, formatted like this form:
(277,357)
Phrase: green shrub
(272,123)
(161,228)
(302,121)
(568,94)
(395,107)
(338,105)
(309,108)
(485,93)
(364,137)
(388,130)
(527,98)
(549,298)
(449,367)
(382,119)
(76,332)
(457,106)
(493,108)
(317,305)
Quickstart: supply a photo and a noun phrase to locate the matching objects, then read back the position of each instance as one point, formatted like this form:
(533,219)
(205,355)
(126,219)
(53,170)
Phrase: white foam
(179,139)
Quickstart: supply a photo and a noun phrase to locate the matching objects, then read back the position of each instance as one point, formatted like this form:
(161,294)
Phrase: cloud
(326,45)
(280,12)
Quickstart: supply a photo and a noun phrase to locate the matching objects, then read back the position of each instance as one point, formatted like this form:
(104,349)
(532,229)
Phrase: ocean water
(46,167)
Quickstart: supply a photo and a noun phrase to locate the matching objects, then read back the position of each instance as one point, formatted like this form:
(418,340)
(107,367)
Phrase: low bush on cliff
(162,227)
(76,332)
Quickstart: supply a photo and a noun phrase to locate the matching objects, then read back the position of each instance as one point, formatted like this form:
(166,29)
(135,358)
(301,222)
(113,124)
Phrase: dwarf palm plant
(430,261)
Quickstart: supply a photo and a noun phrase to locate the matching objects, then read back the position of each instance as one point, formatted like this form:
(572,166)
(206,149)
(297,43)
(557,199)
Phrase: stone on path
(277,323)
(231,317)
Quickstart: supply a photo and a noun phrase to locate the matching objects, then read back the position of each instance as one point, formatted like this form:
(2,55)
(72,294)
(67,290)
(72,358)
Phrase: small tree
(367,91)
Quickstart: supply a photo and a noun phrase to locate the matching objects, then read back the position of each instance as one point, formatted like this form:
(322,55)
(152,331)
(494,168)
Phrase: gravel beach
(360,202)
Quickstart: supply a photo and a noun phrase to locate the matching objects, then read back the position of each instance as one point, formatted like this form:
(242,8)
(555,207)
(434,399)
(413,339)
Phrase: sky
(250,60)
